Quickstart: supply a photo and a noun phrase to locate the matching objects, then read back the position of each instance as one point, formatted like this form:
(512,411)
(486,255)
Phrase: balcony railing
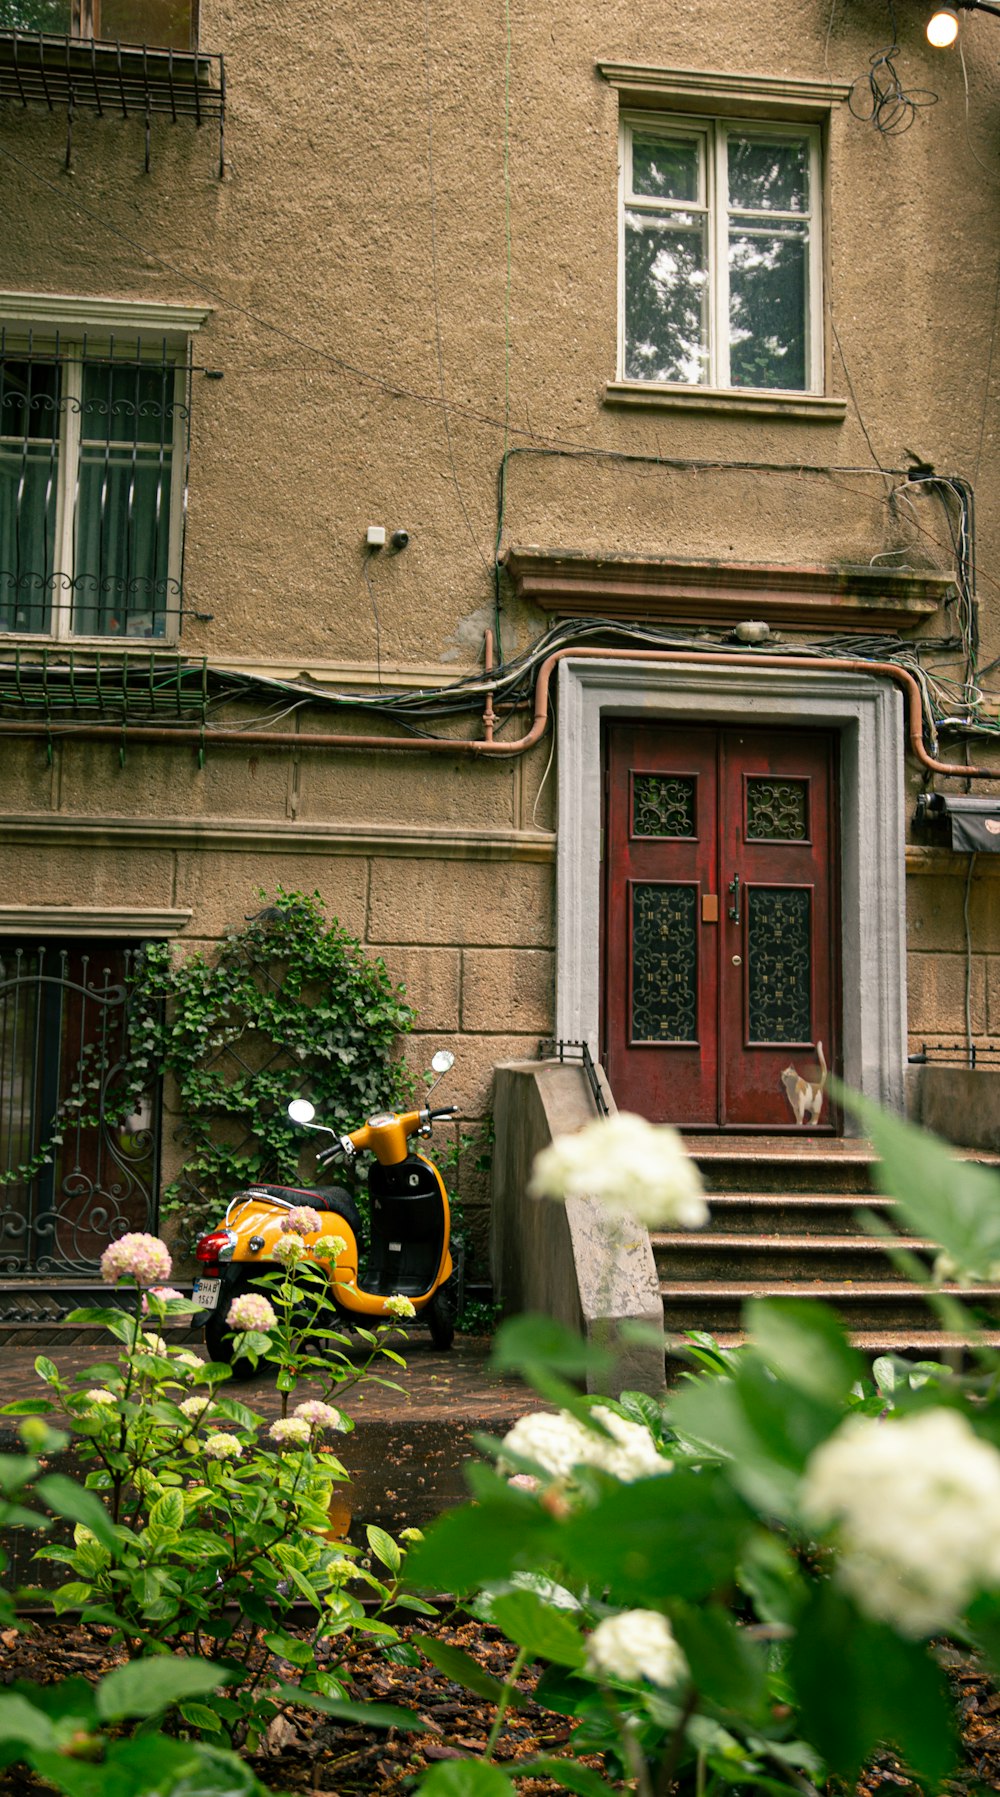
(136,59)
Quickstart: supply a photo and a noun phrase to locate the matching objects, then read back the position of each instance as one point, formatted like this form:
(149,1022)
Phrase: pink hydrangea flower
(143,1258)
(302,1220)
(251,1310)
(292,1429)
(321,1416)
(289,1250)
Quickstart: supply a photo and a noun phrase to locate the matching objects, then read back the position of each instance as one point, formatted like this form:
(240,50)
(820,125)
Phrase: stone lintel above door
(575,583)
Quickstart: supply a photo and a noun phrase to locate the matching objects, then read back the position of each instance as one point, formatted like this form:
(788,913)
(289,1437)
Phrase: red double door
(720,953)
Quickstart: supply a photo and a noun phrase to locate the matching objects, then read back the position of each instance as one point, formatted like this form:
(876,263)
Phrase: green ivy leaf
(547,1633)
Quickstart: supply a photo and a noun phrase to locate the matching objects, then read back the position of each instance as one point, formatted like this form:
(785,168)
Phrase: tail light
(217,1245)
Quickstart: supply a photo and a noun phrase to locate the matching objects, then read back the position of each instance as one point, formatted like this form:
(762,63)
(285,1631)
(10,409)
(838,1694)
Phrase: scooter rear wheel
(444,1308)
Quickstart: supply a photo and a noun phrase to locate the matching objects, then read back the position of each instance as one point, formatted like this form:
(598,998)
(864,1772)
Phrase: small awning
(974,823)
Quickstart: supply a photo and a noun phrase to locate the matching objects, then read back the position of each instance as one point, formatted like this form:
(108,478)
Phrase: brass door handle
(734,888)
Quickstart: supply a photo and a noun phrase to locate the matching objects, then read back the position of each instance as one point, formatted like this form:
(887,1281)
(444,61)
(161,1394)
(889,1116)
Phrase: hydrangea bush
(740,1588)
(199,1525)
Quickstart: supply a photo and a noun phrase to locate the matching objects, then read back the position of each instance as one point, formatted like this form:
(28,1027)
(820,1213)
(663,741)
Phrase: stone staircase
(783,1224)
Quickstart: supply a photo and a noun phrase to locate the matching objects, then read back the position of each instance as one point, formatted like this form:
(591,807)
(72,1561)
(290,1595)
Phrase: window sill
(734,402)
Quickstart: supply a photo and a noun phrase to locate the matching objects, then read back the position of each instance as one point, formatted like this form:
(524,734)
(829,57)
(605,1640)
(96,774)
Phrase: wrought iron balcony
(134,59)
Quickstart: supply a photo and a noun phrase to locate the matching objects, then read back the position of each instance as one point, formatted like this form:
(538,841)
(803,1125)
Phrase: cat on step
(804,1095)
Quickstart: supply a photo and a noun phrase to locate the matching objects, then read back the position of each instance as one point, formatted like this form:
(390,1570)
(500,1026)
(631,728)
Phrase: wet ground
(408,1447)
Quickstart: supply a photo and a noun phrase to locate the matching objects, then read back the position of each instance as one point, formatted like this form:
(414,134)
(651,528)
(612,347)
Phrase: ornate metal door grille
(74,1171)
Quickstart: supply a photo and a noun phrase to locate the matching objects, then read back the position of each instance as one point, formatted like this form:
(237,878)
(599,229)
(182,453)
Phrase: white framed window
(720,254)
(93,462)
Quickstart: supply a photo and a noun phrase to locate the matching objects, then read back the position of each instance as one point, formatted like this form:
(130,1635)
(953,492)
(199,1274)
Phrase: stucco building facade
(641,329)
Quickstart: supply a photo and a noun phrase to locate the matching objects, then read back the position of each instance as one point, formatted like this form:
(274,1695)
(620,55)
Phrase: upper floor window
(720,255)
(93,442)
(166,24)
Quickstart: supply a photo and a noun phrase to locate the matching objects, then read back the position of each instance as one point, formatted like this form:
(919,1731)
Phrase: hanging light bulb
(942,28)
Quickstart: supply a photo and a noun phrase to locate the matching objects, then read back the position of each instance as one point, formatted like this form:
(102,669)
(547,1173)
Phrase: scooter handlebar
(449,1110)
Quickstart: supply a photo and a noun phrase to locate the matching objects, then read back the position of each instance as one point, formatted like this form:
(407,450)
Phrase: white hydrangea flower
(558,1442)
(632,1167)
(398,1306)
(251,1311)
(916,1509)
(321,1416)
(949,1271)
(329,1247)
(291,1428)
(288,1250)
(184,1358)
(194,1408)
(152,1344)
(634,1645)
(222,1446)
(97,1395)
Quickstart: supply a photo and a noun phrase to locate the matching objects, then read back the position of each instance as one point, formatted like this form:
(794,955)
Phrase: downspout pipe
(231,737)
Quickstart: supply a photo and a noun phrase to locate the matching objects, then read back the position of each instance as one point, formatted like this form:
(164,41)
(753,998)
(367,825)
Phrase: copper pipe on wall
(489,715)
(291,739)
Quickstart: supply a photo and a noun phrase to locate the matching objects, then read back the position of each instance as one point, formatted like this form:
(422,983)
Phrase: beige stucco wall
(378,356)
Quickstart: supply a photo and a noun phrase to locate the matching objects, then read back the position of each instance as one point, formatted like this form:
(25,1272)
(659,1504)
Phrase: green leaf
(527,1342)
(384,1548)
(860,1685)
(373,1715)
(955,1203)
(22,1721)
(465,1778)
(115,1321)
(71,1596)
(168,1511)
(546,1632)
(67,1498)
(984,1620)
(803,1341)
(146,1687)
(676,1536)
(468,1547)
(200,1716)
(730,1669)
(27,1407)
(463,1670)
(47,1370)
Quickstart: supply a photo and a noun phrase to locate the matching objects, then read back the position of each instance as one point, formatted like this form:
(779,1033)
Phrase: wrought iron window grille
(130,81)
(93,475)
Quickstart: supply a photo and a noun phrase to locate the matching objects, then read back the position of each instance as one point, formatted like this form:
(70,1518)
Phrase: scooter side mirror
(301,1111)
(443,1062)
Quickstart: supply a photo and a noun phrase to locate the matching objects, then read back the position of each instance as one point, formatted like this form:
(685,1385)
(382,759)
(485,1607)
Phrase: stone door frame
(867,713)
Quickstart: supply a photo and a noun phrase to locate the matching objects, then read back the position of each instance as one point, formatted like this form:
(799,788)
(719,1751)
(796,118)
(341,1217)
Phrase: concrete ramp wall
(571,1261)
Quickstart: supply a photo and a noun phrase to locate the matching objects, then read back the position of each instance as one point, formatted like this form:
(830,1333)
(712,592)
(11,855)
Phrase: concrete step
(773,1164)
(705,1255)
(792,1213)
(877,1305)
(923,1344)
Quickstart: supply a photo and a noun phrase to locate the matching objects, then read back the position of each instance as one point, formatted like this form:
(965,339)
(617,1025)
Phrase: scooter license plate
(206,1293)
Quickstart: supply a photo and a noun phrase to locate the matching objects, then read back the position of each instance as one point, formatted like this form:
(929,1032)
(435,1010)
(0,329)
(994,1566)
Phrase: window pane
(162,23)
(665,276)
(665,168)
(122,539)
(127,404)
(27,537)
(768,177)
(29,400)
(36,15)
(29,459)
(767,309)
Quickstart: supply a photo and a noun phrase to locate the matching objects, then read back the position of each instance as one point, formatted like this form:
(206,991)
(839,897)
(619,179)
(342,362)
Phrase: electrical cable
(888,106)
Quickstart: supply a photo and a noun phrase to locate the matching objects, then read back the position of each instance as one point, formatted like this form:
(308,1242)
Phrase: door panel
(721,926)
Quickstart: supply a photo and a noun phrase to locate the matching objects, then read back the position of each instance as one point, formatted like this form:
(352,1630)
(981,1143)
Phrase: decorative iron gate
(75,1170)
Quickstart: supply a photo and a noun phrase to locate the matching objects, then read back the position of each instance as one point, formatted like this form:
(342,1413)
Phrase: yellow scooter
(409,1249)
